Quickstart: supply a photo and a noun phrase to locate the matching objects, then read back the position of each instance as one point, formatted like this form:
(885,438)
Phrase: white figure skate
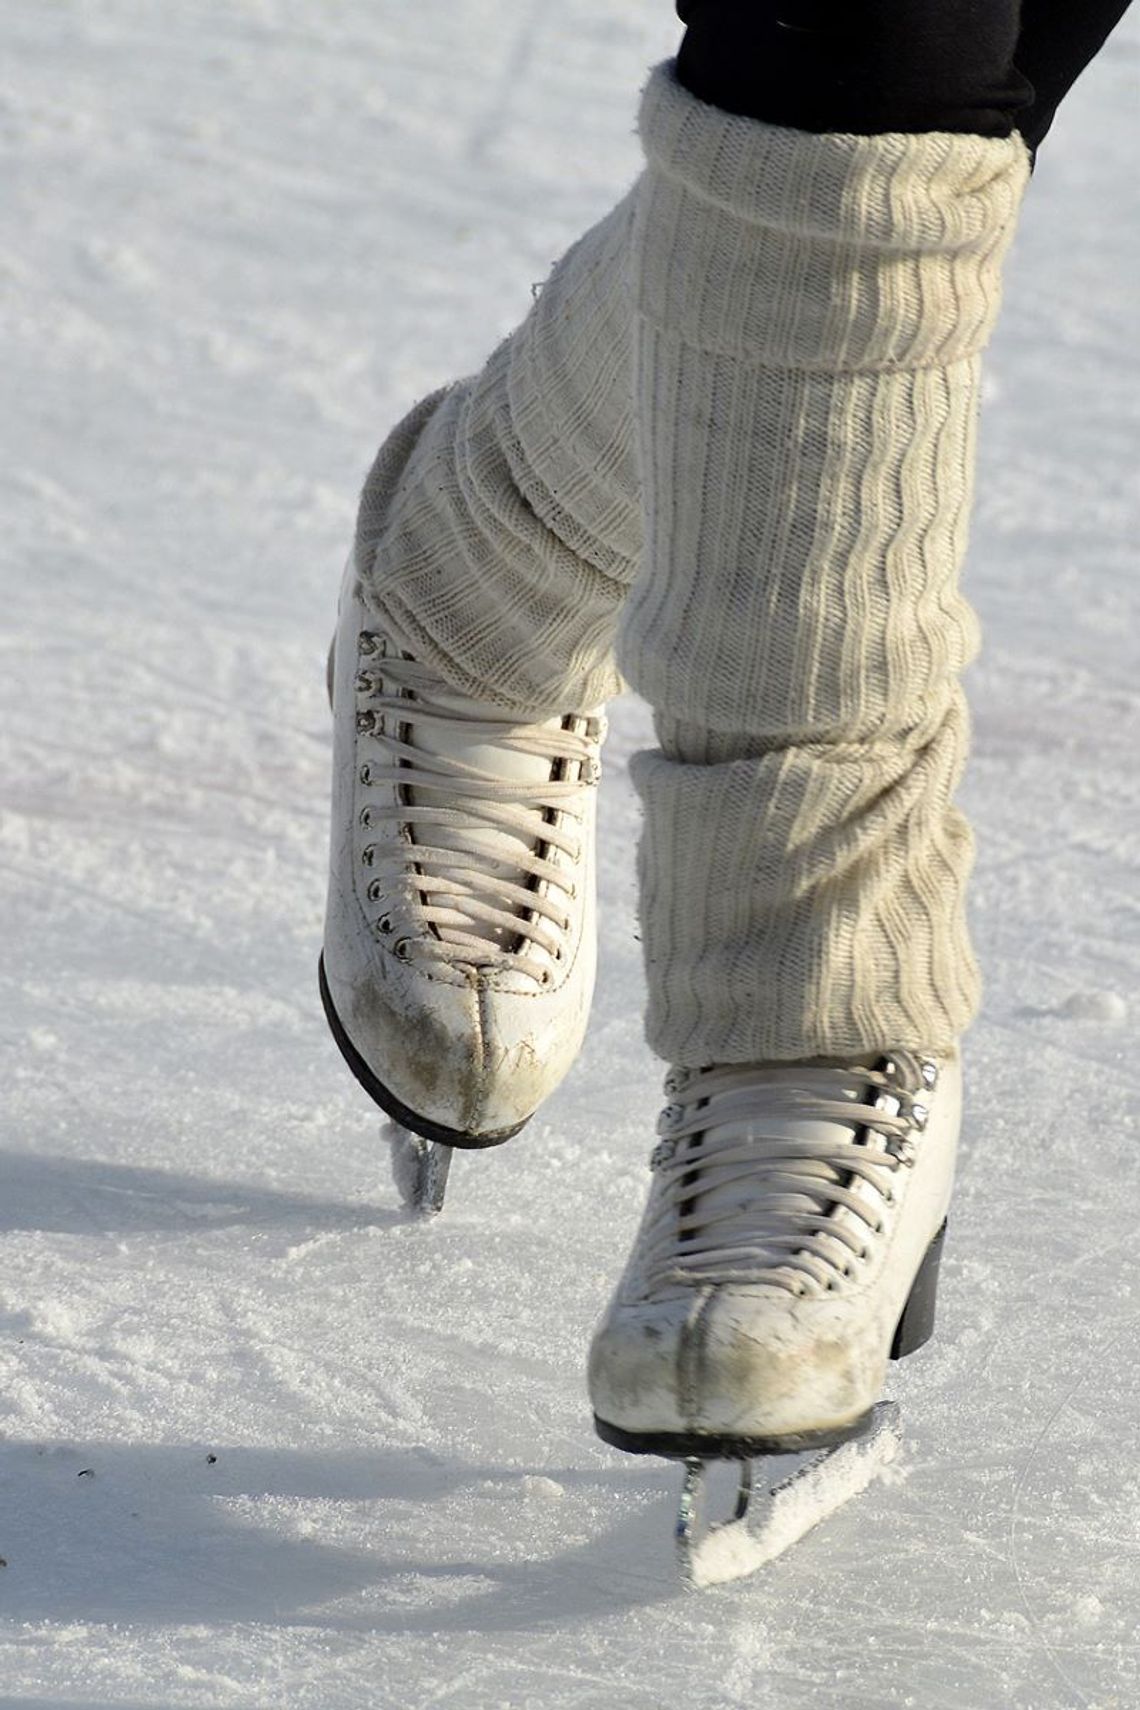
(459,947)
(789,1250)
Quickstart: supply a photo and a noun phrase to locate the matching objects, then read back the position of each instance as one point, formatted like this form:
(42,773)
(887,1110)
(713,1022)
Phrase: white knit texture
(499,528)
(809,312)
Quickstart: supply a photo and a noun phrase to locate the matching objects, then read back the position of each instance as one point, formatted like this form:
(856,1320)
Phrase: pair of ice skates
(789,1248)
(730,453)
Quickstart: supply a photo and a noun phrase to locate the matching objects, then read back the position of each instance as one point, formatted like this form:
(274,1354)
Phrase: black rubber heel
(916,1325)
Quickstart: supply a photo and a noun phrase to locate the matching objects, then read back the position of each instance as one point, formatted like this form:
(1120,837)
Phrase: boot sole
(394,1107)
(914,1328)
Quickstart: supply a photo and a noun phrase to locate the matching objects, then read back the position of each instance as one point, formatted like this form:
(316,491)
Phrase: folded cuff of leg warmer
(805,904)
(820,251)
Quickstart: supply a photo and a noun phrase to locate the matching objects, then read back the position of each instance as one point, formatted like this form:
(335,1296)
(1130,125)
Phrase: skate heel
(916,1325)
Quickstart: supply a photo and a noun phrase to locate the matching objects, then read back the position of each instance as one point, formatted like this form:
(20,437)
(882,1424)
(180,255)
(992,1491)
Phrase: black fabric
(1058,39)
(867,66)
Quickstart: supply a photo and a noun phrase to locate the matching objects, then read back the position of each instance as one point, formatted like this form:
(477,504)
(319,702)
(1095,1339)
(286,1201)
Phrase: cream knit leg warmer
(809,314)
(500,527)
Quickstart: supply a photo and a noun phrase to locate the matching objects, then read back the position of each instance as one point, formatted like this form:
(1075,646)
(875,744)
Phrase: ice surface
(238,237)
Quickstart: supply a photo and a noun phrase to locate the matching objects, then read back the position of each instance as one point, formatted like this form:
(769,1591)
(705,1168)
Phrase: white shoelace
(521,892)
(779,1173)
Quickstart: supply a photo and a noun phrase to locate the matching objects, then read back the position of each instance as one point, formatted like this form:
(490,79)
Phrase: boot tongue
(747,1204)
(456,740)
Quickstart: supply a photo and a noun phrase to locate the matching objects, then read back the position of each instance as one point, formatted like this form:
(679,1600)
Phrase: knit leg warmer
(809,315)
(499,528)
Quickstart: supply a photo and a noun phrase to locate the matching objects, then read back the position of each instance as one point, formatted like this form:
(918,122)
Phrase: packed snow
(266,1441)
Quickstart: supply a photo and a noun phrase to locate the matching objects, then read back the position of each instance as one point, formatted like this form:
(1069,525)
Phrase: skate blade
(419,1169)
(767,1522)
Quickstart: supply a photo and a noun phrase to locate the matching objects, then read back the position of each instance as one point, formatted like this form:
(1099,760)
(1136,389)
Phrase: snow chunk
(1087,1609)
(1095,1006)
(548,1489)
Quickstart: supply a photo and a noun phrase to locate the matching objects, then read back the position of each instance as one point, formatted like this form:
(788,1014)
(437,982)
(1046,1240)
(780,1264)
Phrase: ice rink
(263,1440)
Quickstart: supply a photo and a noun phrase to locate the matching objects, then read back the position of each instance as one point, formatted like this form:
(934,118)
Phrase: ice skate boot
(459,946)
(789,1250)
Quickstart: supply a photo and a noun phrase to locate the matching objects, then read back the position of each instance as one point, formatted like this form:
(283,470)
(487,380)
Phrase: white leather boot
(459,945)
(789,1249)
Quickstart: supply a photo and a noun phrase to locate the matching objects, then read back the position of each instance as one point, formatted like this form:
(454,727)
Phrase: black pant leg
(866,66)
(1058,39)
(862,66)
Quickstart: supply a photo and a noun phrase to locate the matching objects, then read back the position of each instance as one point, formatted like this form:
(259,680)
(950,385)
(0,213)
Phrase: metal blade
(419,1169)
(767,1521)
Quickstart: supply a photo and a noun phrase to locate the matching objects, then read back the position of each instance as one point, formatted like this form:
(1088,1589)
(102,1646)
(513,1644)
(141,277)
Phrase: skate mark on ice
(487,130)
(1095,1361)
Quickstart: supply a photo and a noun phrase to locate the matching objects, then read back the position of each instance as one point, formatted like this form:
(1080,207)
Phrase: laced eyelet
(662,1154)
(368,855)
(400,949)
(365,683)
(375,890)
(365,818)
(384,924)
(365,722)
(366,643)
(365,773)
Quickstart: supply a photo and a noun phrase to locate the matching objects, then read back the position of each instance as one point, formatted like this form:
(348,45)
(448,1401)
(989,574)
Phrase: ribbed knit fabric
(809,313)
(500,528)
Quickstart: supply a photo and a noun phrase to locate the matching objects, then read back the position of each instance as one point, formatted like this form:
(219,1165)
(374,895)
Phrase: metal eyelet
(929,1073)
(591,771)
(376,891)
(365,773)
(676,1081)
(384,924)
(365,683)
(918,1115)
(367,643)
(368,855)
(365,818)
(365,722)
(400,949)
(670,1118)
(662,1154)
